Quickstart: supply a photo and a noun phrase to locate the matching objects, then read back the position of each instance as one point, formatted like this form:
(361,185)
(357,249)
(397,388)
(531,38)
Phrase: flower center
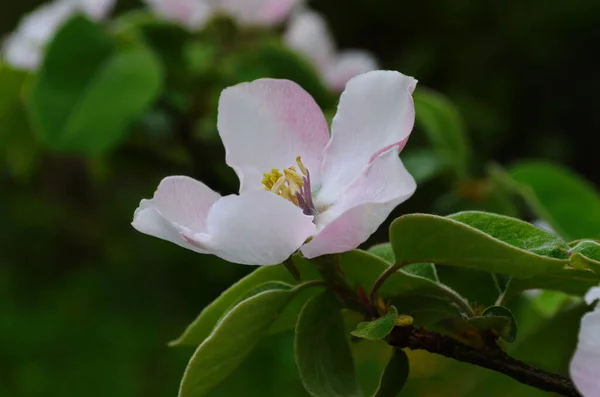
(292,186)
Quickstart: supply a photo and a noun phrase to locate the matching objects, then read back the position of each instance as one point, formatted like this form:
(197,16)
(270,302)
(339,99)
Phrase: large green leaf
(445,128)
(232,340)
(202,326)
(90,89)
(322,352)
(394,376)
(475,240)
(570,281)
(570,204)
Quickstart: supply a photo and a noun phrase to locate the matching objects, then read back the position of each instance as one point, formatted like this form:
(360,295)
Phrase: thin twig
(494,359)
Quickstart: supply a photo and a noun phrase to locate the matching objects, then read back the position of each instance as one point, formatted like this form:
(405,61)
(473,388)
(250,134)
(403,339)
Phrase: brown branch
(494,359)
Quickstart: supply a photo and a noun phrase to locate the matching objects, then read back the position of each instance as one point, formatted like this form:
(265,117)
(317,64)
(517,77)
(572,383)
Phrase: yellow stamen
(287,183)
(301,166)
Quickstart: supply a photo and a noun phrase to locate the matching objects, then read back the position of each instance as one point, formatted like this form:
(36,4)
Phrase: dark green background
(87,304)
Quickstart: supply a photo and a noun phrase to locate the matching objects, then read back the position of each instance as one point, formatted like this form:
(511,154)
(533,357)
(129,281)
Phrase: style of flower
(299,188)
(585,365)
(24,48)
(308,34)
(193,14)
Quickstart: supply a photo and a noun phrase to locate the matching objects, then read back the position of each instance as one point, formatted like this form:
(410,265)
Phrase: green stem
(329,267)
(382,278)
(310,284)
(459,300)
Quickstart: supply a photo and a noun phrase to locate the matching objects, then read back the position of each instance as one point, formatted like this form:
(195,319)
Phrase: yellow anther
(285,184)
(278,185)
(301,166)
(404,320)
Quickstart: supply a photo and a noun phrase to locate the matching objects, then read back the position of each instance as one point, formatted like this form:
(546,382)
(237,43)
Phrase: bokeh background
(87,304)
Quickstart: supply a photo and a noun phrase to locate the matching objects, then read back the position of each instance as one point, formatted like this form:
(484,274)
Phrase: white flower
(193,14)
(24,48)
(585,365)
(343,188)
(308,34)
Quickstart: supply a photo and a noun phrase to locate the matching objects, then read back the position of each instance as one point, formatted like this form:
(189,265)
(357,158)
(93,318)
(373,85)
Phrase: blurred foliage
(87,304)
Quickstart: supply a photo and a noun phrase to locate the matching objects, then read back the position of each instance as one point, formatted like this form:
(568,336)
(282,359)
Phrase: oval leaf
(202,326)
(232,340)
(394,376)
(570,204)
(89,90)
(322,351)
(479,245)
(379,328)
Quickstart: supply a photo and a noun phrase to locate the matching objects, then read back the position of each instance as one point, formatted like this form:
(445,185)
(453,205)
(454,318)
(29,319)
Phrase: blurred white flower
(24,47)
(585,365)
(299,187)
(193,14)
(308,34)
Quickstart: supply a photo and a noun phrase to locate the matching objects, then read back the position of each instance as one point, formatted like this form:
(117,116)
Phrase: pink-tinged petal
(376,113)
(24,48)
(308,34)
(349,64)
(191,14)
(266,124)
(255,228)
(150,221)
(258,12)
(361,209)
(21,54)
(592,295)
(181,200)
(585,365)
(96,9)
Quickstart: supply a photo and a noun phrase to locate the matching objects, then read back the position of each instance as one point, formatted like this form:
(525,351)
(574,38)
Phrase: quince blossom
(24,48)
(585,365)
(308,34)
(193,14)
(299,187)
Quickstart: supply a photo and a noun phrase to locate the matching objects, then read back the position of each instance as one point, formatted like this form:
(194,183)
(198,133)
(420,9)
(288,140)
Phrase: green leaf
(11,85)
(89,90)
(479,287)
(394,376)
(427,310)
(202,326)
(570,204)
(586,255)
(322,352)
(272,59)
(445,128)
(423,164)
(232,340)
(508,331)
(385,252)
(548,303)
(378,328)
(516,233)
(487,242)
(570,281)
